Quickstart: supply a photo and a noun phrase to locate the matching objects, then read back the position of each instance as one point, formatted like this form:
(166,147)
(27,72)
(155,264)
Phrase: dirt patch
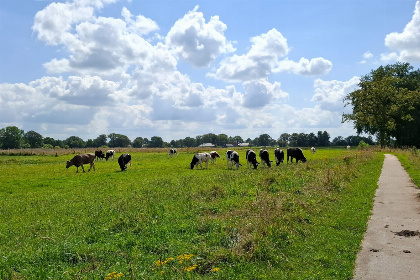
(408,233)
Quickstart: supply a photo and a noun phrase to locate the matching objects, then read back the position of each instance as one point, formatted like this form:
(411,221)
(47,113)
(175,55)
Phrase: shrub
(363,145)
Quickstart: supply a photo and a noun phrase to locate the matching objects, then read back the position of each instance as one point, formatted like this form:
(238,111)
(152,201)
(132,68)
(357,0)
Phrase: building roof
(206,145)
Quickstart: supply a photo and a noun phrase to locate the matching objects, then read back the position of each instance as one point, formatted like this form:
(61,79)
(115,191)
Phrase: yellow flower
(112,275)
(185,257)
(190,268)
(216,269)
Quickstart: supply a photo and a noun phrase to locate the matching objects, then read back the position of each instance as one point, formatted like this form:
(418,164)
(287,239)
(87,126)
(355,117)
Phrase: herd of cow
(79,160)
(232,157)
(198,159)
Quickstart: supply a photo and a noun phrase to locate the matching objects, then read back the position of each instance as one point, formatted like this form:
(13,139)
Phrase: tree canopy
(387,105)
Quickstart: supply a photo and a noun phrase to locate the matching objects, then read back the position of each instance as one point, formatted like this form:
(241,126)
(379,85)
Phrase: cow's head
(68,164)
(193,162)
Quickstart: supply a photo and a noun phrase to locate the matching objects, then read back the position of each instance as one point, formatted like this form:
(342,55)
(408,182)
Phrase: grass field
(161,220)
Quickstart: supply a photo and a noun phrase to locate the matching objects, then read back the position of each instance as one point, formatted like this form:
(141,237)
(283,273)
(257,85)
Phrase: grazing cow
(348,147)
(109,154)
(279,156)
(295,153)
(213,156)
(265,158)
(232,158)
(79,160)
(199,158)
(313,150)
(172,152)
(124,160)
(251,158)
(99,155)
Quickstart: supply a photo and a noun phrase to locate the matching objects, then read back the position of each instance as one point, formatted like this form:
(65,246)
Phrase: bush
(363,145)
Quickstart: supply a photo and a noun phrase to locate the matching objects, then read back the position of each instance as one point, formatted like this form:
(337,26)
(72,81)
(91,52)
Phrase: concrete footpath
(391,245)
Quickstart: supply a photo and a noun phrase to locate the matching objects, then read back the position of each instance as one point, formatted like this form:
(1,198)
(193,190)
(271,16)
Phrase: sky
(177,69)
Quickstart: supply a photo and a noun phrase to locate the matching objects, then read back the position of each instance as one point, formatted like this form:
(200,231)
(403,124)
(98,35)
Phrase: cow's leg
(82,168)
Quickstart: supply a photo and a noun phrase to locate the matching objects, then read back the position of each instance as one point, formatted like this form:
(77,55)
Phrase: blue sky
(185,68)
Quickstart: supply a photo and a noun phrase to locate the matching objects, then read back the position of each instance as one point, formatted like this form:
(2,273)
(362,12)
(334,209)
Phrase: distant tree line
(12,137)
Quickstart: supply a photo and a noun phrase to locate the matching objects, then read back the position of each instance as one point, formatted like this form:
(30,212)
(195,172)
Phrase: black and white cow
(251,158)
(199,159)
(213,156)
(124,160)
(172,152)
(232,158)
(279,156)
(295,153)
(109,154)
(265,158)
(313,150)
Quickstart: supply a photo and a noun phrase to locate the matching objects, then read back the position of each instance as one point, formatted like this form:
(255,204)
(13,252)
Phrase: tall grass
(161,220)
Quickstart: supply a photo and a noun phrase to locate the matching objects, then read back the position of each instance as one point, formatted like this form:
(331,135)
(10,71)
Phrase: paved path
(384,254)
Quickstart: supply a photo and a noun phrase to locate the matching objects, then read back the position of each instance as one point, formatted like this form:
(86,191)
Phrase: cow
(279,156)
(313,150)
(172,152)
(232,158)
(251,158)
(265,158)
(199,158)
(348,147)
(213,156)
(295,153)
(109,154)
(79,160)
(99,155)
(124,160)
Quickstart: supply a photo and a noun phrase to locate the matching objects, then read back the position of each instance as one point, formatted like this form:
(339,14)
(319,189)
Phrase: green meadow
(162,220)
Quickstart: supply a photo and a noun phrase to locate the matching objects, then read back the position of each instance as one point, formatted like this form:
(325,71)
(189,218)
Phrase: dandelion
(159,263)
(216,269)
(186,257)
(190,268)
(113,275)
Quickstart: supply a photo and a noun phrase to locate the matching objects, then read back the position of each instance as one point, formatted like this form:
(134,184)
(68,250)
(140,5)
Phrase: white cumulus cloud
(329,95)
(266,56)
(196,41)
(406,45)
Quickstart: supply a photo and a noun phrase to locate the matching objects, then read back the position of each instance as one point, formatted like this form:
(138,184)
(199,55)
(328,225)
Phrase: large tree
(34,139)
(100,141)
(156,142)
(138,142)
(11,137)
(74,142)
(118,140)
(387,104)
